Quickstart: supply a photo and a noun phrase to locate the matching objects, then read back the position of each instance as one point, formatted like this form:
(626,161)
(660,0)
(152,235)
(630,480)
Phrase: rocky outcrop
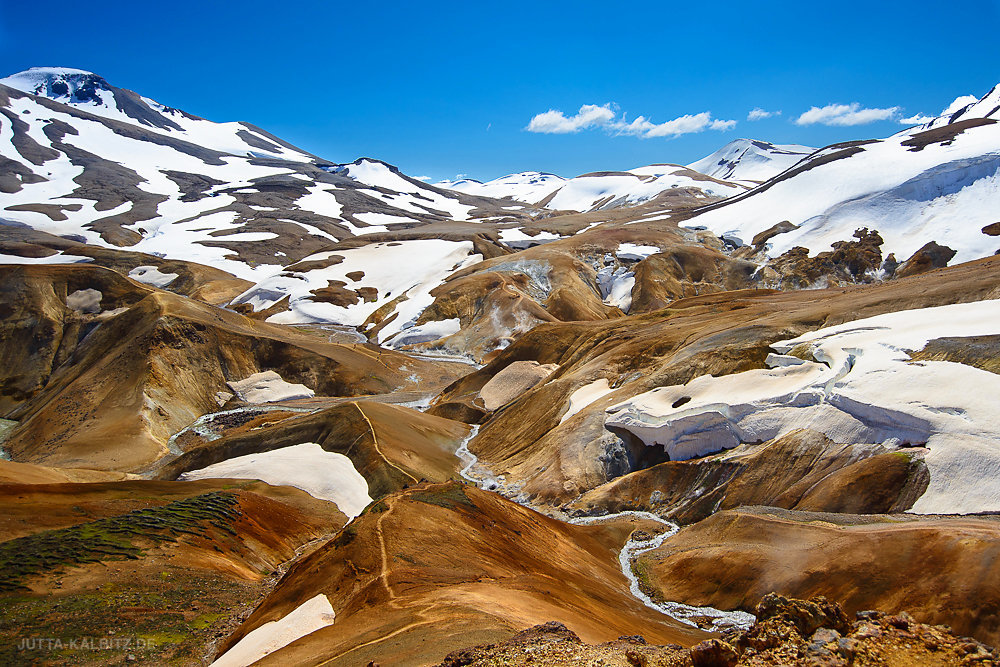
(848,262)
(929,257)
(787,632)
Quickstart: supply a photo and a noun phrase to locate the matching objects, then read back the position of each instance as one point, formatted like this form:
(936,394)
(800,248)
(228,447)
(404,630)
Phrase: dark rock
(806,615)
(713,653)
(760,239)
(900,621)
(636,659)
(992,229)
(869,615)
(931,256)
(549,632)
(889,265)
(850,261)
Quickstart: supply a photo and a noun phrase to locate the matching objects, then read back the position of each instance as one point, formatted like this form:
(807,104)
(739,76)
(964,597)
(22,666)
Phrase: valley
(262,408)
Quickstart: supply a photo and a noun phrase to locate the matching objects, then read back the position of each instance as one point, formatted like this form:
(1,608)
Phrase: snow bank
(150,275)
(750,160)
(633,252)
(321,474)
(307,618)
(861,388)
(516,238)
(528,186)
(594,192)
(586,395)
(267,387)
(425,332)
(616,285)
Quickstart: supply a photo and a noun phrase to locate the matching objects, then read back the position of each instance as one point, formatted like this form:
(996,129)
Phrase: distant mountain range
(105,165)
(93,163)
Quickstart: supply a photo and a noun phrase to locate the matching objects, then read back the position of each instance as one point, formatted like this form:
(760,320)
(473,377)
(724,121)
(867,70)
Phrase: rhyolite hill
(261,406)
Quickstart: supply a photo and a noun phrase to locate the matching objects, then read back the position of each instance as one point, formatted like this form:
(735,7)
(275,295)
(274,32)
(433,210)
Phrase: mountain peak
(750,160)
(60,83)
(987,106)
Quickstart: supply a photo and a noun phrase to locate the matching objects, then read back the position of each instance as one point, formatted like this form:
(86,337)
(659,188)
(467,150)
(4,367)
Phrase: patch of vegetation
(449,496)
(641,569)
(114,538)
(376,507)
(175,620)
(345,537)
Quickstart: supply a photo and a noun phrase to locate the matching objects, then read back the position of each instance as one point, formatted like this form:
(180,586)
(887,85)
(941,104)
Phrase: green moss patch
(449,496)
(114,538)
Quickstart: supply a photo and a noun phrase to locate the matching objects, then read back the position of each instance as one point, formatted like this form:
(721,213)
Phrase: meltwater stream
(716,619)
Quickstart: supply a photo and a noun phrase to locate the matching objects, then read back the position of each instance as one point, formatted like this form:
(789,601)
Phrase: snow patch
(425,332)
(308,617)
(634,252)
(267,387)
(150,275)
(321,474)
(586,395)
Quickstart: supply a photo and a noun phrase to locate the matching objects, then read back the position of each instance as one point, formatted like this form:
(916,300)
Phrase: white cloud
(722,125)
(686,124)
(917,119)
(959,103)
(422,178)
(556,122)
(759,114)
(845,114)
(605,116)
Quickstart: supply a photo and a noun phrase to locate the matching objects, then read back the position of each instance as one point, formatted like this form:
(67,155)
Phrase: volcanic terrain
(260,408)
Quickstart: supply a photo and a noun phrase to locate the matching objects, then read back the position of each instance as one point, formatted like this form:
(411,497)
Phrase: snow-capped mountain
(988,106)
(598,190)
(936,182)
(84,159)
(527,186)
(750,160)
(89,92)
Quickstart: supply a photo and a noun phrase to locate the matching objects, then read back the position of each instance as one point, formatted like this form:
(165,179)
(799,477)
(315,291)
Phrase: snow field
(861,388)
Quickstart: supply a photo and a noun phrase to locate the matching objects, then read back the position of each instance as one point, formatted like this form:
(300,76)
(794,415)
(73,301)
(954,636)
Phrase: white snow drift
(310,616)
(321,474)
(596,191)
(267,387)
(861,388)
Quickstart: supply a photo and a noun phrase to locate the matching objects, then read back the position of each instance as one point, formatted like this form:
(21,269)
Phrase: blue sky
(441,88)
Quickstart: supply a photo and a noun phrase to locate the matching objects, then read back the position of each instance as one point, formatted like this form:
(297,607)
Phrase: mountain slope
(750,160)
(938,182)
(84,159)
(527,186)
(599,190)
